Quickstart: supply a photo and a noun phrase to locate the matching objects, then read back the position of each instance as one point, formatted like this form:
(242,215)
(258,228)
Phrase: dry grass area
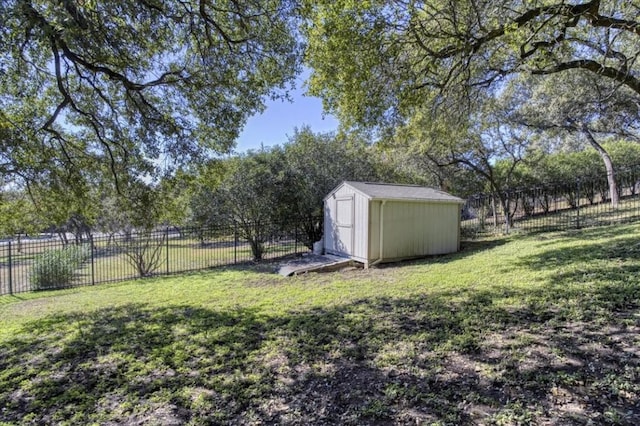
(540,330)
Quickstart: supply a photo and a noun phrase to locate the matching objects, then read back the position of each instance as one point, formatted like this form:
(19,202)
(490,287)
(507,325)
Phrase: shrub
(56,268)
(78,254)
(144,253)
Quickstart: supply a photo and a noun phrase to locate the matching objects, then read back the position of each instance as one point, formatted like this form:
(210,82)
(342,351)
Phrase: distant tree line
(261,190)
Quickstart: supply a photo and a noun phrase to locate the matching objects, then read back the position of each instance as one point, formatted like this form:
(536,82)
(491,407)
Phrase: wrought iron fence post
(166,235)
(295,238)
(10,270)
(578,204)
(93,269)
(235,243)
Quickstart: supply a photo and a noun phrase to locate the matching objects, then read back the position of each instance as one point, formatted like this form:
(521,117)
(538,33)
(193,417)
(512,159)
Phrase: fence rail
(45,263)
(583,203)
(52,263)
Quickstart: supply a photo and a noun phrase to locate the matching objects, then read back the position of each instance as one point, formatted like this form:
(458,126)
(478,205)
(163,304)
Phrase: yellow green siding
(383,230)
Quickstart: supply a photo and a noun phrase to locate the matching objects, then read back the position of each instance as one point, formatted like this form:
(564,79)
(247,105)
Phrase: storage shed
(378,222)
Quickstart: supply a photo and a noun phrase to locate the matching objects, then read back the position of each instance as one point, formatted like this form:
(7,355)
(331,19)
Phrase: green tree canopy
(17,214)
(124,82)
(374,61)
(318,162)
(254,196)
(578,102)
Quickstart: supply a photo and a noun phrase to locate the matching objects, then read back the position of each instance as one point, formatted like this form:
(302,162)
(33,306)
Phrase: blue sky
(277,122)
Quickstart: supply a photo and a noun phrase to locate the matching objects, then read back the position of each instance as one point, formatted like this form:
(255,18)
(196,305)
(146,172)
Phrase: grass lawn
(539,329)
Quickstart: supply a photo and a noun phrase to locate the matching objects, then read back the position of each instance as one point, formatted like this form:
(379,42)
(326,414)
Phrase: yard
(533,329)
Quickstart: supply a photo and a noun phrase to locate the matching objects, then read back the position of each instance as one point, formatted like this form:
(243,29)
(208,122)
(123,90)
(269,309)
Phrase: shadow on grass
(618,250)
(474,246)
(609,271)
(587,234)
(375,361)
(467,248)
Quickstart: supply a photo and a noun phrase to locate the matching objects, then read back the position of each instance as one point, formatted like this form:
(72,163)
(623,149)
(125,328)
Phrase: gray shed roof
(388,191)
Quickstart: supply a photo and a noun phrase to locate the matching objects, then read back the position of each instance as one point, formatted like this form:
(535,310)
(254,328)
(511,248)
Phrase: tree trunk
(495,211)
(504,203)
(608,164)
(63,238)
(256,249)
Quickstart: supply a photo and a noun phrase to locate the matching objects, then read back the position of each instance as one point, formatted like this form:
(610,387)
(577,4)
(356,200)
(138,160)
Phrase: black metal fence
(583,203)
(51,262)
(48,262)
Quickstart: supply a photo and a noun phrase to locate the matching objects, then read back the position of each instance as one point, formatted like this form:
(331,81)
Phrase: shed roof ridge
(408,185)
(387,183)
(383,190)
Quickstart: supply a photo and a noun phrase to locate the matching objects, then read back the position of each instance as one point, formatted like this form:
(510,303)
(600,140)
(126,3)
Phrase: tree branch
(59,43)
(587,64)
(570,11)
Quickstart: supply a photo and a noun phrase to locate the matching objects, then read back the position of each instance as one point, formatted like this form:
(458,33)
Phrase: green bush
(56,268)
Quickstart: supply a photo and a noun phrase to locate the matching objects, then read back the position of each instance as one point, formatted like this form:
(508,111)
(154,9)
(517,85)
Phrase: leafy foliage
(56,268)
(119,83)
(318,163)
(17,214)
(441,67)
(584,164)
(266,189)
(375,61)
(254,196)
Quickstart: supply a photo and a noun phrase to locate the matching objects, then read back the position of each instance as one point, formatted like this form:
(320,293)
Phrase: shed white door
(343,242)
